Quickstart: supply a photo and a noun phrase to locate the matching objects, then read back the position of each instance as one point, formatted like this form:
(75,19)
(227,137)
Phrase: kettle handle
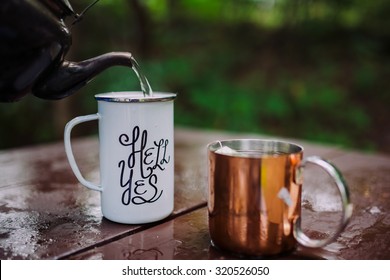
(69,152)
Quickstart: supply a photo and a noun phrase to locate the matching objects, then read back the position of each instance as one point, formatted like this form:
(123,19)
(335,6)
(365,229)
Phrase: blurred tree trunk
(174,12)
(142,25)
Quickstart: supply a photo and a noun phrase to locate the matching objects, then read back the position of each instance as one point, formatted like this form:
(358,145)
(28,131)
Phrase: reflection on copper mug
(255,189)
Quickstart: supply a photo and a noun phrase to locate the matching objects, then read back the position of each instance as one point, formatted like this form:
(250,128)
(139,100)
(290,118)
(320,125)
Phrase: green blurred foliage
(310,69)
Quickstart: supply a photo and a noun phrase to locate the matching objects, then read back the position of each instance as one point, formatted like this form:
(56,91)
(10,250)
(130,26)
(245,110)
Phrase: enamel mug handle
(69,153)
(342,187)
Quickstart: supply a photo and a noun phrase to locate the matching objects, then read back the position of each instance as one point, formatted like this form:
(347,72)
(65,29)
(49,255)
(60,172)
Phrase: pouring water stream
(145,86)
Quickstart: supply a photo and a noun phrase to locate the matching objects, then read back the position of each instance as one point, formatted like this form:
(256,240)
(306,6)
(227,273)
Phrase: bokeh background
(311,69)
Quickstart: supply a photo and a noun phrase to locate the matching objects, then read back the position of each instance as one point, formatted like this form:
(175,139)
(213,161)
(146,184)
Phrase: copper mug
(255,189)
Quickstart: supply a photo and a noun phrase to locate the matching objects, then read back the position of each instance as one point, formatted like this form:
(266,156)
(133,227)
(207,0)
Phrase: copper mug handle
(347,207)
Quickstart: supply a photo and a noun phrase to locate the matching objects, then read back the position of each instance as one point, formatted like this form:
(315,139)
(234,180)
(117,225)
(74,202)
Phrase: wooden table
(46,214)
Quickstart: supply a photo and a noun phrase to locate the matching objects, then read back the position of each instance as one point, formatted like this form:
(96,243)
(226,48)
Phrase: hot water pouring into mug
(135,128)
(34,41)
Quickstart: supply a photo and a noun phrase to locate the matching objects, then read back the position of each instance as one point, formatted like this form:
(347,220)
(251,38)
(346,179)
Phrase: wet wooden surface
(46,214)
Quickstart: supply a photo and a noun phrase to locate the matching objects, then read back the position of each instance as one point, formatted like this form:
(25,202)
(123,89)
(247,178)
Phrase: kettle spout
(71,76)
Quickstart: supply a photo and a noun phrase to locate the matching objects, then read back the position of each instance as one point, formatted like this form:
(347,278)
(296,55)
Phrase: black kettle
(34,40)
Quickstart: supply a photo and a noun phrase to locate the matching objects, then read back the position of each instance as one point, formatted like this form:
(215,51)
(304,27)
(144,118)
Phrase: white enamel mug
(136,150)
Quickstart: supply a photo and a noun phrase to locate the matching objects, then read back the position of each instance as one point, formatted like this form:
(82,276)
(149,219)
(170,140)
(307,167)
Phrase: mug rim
(134,97)
(263,147)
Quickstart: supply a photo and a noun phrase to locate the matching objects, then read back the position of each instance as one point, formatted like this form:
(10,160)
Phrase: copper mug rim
(256,148)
